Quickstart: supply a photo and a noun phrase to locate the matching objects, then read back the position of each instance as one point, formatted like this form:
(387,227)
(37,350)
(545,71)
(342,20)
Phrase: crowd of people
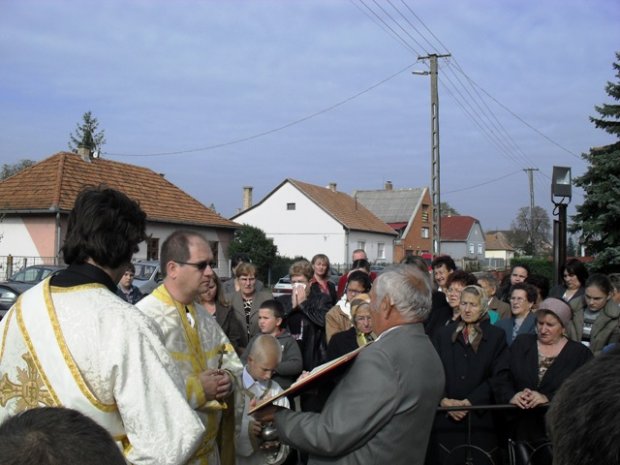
(170,377)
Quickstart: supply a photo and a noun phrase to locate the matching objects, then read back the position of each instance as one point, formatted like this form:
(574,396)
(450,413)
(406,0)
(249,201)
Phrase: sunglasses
(200,266)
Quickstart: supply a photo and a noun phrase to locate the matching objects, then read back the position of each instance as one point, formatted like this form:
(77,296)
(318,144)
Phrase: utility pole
(530,175)
(435,171)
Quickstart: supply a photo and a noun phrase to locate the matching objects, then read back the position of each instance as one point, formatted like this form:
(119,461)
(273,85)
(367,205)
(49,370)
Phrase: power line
(271,131)
(483,183)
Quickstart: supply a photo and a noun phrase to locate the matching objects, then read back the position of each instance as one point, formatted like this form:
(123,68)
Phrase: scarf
(470,333)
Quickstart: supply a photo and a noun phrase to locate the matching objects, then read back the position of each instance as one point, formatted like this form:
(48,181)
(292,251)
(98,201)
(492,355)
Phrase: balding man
(205,356)
(382,410)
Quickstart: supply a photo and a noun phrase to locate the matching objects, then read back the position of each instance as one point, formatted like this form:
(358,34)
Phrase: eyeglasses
(200,266)
(363,318)
(354,292)
(517,299)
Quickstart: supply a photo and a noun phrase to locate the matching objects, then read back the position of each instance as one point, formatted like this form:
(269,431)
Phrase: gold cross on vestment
(31,392)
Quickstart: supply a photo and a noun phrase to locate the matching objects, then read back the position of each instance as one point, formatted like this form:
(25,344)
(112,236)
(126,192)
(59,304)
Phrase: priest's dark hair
(56,436)
(104,225)
(583,416)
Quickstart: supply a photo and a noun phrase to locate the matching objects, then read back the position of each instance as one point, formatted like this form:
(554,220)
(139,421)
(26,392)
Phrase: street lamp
(561,192)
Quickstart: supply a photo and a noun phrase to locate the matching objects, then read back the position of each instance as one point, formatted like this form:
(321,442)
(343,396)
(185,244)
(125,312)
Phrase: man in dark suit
(382,410)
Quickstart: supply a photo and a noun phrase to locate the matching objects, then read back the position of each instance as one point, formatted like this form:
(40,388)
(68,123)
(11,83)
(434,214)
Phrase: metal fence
(517,453)
(10,265)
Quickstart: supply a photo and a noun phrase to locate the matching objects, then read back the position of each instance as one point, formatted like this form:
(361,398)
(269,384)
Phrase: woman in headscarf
(475,355)
(357,336)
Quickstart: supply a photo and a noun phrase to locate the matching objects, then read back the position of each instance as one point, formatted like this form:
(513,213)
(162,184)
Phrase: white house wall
(371,246)
(222,237)
(304,231)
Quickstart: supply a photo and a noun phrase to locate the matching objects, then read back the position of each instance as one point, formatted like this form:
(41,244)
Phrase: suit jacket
(527,327)
(236,302)
(381,411)
(501,307)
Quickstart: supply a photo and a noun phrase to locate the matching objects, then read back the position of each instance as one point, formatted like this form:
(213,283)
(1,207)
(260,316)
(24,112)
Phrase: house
(498,251)
(463,239)
(35,204)
(408,212)
(304,219)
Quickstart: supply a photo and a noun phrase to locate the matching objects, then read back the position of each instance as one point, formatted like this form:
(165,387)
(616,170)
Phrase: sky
(218,95)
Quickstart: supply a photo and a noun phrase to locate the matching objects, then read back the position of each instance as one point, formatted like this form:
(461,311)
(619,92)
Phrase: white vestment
(197,343)
(83,347)
(248,450)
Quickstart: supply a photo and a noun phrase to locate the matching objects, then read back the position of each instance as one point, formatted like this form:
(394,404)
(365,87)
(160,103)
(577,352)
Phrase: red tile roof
(456,228)
(56,181)
(497,241)
(344,208)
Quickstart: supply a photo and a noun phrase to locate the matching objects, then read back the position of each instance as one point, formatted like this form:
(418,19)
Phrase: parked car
(34,274)
(148,276)
(9,292)
(282,287)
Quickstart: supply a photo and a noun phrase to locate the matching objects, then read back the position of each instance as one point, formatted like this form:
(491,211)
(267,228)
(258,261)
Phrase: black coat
(333,293)
(481,377)
(530,424)
(439,316)
(342,343)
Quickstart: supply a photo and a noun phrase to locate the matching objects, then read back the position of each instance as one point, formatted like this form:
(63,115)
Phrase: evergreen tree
(599,215)
(86,134)
(253,242)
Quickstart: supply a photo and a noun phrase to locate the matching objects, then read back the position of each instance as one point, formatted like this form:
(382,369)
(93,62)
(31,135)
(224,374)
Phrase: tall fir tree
(599,215)
(86,134)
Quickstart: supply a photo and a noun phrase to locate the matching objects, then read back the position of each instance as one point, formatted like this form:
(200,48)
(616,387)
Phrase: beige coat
(336,321)
(605,330)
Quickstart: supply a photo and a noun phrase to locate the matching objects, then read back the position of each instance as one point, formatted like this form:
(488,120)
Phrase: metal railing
(518,453)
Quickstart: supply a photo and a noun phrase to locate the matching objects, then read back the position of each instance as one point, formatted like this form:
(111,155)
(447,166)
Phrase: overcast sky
(252,92)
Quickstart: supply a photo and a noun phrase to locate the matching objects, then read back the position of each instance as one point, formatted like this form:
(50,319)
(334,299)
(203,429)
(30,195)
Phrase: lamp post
(561,191)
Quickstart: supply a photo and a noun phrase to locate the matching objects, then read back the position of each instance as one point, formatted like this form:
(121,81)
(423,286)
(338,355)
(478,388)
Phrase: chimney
(388,185)
(84,152)
(247,197)
(332,186)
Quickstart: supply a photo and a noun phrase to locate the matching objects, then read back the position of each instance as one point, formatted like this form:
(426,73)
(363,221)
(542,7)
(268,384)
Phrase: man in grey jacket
(382,410)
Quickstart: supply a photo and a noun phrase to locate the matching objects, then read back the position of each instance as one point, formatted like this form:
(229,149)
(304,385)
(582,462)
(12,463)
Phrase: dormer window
(291,206)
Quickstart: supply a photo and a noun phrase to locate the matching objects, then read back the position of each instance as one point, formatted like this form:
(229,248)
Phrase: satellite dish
(97,153)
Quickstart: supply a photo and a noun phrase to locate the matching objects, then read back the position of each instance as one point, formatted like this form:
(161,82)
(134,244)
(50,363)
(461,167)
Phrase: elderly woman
(357,336)
(574,275)
(522,299)
(539,364)
(475,360)
(247,300)
(218,307)
(320,281)
(444,315)
(339,317)
(596,316)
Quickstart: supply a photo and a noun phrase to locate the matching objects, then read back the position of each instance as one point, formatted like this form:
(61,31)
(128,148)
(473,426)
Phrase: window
(472,250)
(291,206)
(425,214)
(361,245)
(480,251)
(152,248)
(425,233)
(381,250)
(215,245)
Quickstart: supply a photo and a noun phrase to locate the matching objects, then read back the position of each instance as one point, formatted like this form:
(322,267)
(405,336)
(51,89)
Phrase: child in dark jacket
(270,317)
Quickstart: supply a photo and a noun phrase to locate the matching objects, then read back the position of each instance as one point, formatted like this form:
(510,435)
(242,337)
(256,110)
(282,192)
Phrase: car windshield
(31,275)
(144,271)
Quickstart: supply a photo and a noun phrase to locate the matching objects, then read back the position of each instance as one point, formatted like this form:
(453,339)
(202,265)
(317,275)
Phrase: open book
(316,373)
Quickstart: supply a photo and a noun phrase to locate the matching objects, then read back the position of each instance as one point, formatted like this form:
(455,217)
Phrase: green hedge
(540,266)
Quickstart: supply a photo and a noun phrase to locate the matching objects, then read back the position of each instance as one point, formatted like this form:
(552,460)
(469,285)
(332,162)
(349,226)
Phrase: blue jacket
(527,327)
